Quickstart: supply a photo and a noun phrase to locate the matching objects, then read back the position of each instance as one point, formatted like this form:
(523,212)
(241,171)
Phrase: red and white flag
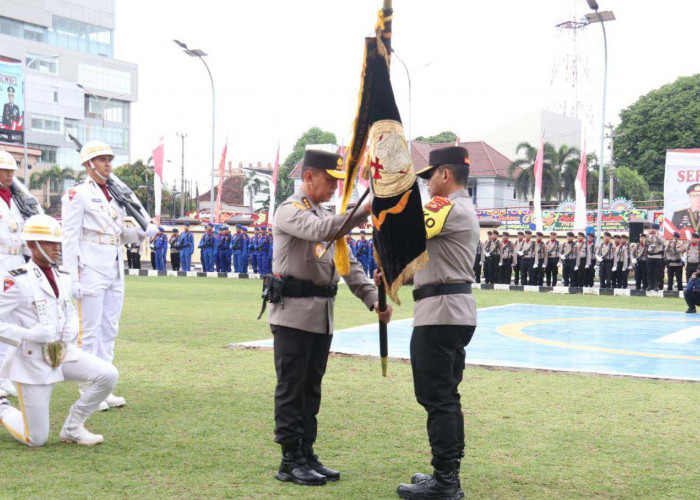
(580,221)
(158,162)
(539,166)
(222,164)
(273,184)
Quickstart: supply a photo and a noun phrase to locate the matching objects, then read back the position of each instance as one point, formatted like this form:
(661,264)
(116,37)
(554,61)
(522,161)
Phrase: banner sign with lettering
(682,192)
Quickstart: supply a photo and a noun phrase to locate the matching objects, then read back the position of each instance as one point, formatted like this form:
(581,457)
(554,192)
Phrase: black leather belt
(296,288)
(426,291)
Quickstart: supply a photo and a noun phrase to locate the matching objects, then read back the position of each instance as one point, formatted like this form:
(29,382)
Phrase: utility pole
(182,136)
(611,135)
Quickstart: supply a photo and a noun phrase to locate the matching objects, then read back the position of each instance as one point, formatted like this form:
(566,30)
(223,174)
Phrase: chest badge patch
(7,284)
(318,250)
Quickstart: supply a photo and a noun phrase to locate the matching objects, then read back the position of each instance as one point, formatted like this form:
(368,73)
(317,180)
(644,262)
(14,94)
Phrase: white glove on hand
(486,254)
(535,266)
(684,260)
(521,253)
(42,334)
(634,261)
(587,266)
(79,292)
(599,258)
(576,268)
(150,231)
(500,263)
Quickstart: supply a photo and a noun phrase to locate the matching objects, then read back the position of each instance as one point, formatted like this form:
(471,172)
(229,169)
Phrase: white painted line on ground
(684,336)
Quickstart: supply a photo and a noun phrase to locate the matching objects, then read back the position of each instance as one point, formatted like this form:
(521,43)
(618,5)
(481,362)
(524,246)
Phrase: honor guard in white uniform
(39,321)
(93,223)
(11,222)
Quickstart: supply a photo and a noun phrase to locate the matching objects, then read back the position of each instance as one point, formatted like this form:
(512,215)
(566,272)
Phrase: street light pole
(182,174)
(26,111)
(200,54)
(410,106)
(601,17)
(103,102)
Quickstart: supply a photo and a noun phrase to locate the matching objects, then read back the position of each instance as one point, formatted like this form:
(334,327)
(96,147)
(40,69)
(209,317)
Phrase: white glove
(150,231)
(79,292)
(521,253)
(576,268)
(500,263)
(587,266)
(634,261)
(684,260)
(596,267)
(535,266)
(41,334)
(486,254)
(599,258)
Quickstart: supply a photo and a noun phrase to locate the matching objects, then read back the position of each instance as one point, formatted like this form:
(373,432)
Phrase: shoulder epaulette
(62,271)
(18,272)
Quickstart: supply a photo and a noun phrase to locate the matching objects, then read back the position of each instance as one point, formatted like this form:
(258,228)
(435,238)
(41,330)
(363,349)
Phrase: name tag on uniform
(96,200)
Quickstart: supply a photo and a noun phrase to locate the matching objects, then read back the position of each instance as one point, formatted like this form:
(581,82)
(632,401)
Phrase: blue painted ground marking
(581,339)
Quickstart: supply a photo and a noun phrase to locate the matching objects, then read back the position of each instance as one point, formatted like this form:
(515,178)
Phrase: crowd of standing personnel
(536,261)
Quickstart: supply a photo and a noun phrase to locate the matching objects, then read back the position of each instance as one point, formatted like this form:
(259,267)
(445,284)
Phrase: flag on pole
(539,166)
(273,184)
(158,161)
(397,213)
(580,221)
(222,164)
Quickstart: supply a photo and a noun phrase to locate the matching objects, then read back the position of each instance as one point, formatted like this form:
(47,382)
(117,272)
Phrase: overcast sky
(282,66)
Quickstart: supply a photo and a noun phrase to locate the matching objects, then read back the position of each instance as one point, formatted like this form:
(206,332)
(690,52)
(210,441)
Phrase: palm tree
(254,185)
(525,182)
(44,178)
(565,161)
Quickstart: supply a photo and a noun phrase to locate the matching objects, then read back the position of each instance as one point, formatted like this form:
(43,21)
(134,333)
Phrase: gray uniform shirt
(300,232)
(673,253)
(450,252)
(655,248)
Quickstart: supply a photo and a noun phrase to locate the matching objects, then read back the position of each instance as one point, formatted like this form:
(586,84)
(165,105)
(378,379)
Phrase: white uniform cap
(93,149)
(7,161)
(42,228)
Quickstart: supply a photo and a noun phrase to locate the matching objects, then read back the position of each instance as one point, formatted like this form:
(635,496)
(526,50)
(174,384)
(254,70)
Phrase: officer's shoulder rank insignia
(298,205)
(306,203)
(435,213)
(18,272)
(7,284)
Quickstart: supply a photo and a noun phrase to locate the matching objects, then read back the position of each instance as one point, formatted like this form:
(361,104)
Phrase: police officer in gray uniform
(301,316)
(444,322)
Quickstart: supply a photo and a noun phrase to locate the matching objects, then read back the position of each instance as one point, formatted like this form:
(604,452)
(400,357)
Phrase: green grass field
(200,416)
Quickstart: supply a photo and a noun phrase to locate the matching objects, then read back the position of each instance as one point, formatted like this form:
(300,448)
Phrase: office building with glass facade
(72,83)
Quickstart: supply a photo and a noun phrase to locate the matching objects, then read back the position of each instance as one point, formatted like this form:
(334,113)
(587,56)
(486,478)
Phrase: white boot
(103,406)
(115,401)
(7,387)
(74,432)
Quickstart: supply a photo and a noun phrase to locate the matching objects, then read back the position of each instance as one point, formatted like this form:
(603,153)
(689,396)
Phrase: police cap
(693,189)
(506,233)
(323,160)
(520,233)
(677,234)
(451,155)
(623,236)
(528,232)
(655,226)
(617,236)
(581,234)
(606,233)
(695,235)
(10,90)
(570,234)
(175,230)
(539,233)
(495,232)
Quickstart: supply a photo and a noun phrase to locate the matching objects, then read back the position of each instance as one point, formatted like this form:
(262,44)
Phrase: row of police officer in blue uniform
(362,250)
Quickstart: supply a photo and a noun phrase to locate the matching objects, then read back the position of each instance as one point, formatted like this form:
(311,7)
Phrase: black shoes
(295,468)
(300,466)
(316,465)
(443,483)
(691,310)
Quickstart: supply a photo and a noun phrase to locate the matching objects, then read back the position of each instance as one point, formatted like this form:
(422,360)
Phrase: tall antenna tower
(570,76)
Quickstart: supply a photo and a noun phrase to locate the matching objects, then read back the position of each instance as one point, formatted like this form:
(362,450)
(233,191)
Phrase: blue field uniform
(206,244)
(363,252)
(240,251)
(352,244)
(224,252)
(160,245)
(254,245)
(263,249)
(372,262)
(269,255)
(186,243)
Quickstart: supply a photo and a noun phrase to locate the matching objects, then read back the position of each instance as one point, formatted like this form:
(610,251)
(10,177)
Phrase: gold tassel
(342,257)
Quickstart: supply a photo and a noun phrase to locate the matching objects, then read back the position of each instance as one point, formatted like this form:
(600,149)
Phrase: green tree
(666,118)
(564,162)
(630,184)
(441,138)
(285,185)
(43,179)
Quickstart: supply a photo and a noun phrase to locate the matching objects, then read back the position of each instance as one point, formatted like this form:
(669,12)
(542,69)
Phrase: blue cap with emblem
(160,228)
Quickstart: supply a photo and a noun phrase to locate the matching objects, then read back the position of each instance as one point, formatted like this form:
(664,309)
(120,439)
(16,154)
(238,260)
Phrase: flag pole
(381,292)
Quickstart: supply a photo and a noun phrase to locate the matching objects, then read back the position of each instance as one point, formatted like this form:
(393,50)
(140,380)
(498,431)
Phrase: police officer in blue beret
(160,245)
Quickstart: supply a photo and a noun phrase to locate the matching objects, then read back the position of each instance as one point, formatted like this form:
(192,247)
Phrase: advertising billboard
(11,100)
(682,192)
